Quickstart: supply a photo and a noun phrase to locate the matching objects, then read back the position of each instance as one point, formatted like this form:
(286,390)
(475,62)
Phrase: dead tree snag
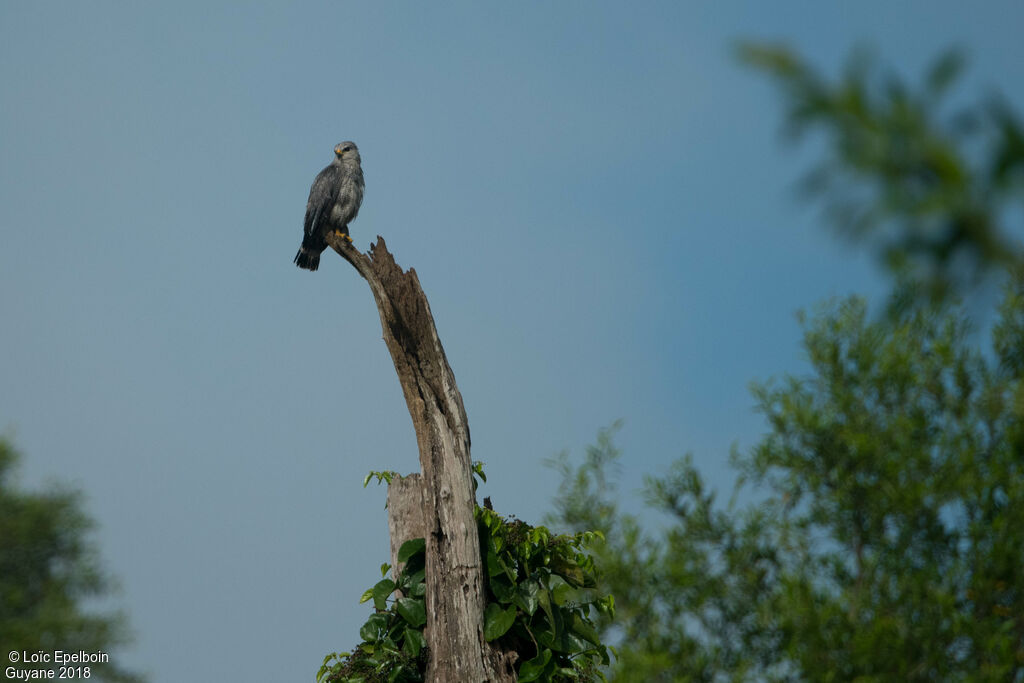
(444,488)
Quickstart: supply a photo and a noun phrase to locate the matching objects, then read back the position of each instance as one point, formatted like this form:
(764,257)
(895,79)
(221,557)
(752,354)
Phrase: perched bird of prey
(333,203)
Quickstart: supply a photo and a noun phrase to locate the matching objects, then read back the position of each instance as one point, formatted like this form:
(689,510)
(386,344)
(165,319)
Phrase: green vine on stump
(540,595)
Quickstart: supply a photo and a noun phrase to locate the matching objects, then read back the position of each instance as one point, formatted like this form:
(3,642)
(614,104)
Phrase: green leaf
(417,587)
(490,519)
(410,548)
(944,71)
(544,600)
(384,569)
(412,610)
(570,571)
(584,628)
(388,647)
(374,626)
(412,584)
(395,635)
(532,669)
(414,642)
(494,566)
(381,591)
(498,621)
(526,595)
(571,643)
(503,589)
(416,563)
(557,635)
(561,591)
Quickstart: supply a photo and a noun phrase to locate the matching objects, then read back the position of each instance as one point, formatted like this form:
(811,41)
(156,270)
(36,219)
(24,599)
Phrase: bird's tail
(308,259)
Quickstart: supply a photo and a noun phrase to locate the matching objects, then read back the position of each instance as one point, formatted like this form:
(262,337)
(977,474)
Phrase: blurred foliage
(935,194)
(883,534)
(48,569)
(887,543)
(541,604)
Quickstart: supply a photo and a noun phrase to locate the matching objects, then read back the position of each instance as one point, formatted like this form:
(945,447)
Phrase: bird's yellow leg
(343,236)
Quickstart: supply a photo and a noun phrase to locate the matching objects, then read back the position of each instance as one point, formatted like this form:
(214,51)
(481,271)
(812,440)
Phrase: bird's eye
(347,149)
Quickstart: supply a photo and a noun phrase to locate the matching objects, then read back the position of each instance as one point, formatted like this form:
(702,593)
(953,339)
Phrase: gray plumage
(334,201)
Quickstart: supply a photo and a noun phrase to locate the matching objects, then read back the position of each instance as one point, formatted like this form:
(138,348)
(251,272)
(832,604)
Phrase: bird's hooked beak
(337,150)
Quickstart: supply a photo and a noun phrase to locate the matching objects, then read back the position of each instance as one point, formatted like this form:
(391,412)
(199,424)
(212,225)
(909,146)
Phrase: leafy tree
(889,543)
(48,568)
(931,190)
(886,542)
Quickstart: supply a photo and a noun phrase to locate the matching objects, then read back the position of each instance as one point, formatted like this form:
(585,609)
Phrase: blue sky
(595,197)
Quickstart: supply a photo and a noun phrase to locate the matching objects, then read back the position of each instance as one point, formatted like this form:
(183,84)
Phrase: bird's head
(346,151)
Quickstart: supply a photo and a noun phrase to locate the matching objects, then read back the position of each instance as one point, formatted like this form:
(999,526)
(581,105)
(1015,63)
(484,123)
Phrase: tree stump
(443,491)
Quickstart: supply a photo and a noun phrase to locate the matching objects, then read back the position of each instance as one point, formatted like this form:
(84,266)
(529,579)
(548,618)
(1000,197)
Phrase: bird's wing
(321,197)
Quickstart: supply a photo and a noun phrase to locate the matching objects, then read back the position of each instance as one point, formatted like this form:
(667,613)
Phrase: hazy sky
(596,199)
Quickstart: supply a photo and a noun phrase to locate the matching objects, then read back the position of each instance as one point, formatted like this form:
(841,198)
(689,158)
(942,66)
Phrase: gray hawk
(334,201)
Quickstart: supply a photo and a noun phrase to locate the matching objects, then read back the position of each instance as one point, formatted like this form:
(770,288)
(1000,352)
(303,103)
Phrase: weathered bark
(454,577)
(406,514)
